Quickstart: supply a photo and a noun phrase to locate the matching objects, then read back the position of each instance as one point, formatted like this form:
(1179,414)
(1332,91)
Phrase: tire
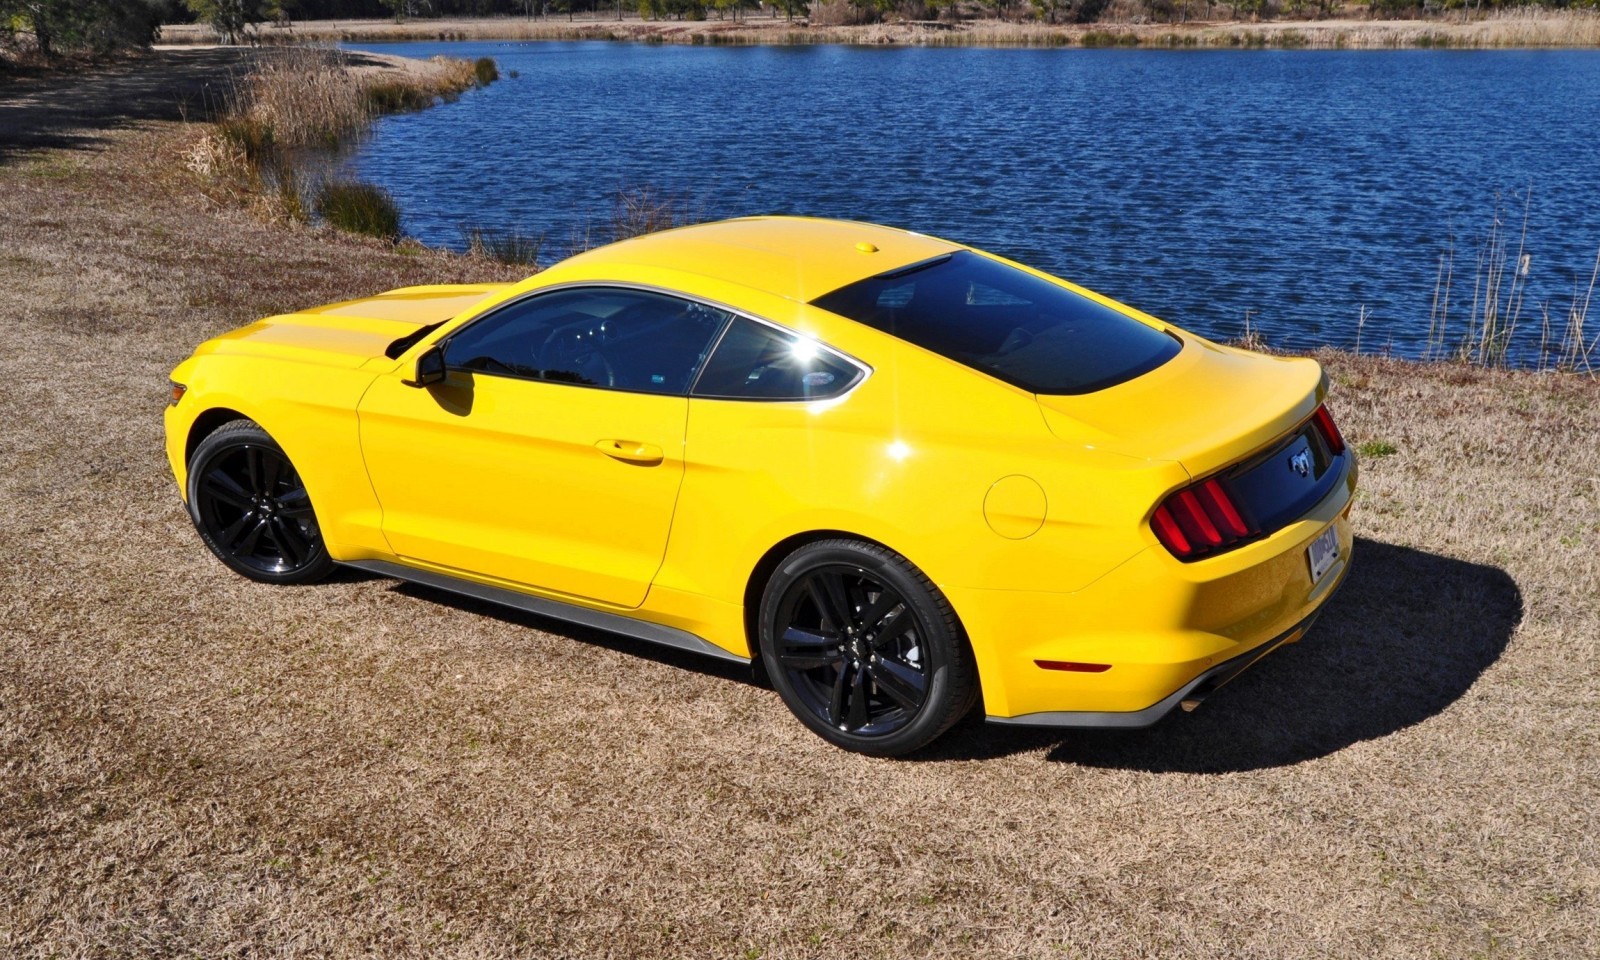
(251,508)
(895,676)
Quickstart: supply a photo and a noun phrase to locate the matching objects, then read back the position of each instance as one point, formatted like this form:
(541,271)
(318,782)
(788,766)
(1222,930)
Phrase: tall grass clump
(646,209)
(1499,283)
(1497,297)
(358,207)
(303,98)
(1576,348)
(295,102)
(307,99)
(1533,26)
(252,140)
(446,79)
(506,246)
(1498,304)
(293,99)
(1106,38)
(398,96)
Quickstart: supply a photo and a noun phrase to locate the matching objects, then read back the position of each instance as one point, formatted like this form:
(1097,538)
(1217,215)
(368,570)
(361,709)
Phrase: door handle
(631,451)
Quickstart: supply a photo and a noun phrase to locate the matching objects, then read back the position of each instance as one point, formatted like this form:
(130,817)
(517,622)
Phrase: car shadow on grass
(1407,635)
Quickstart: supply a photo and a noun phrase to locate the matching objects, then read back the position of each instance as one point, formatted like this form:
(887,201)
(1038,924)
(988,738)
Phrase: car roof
(797,258)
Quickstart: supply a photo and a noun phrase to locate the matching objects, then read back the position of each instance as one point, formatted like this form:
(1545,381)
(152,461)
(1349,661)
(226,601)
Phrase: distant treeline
(1061,11)
(49,27)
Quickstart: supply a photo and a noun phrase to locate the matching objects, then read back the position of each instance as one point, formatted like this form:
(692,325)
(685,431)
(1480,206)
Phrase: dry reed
(648,209)
(308,99)
(505,246)
(305,97)
(1576,347)
(1499,299)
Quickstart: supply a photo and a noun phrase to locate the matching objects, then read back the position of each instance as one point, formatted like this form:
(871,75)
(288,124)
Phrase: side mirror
(430,368)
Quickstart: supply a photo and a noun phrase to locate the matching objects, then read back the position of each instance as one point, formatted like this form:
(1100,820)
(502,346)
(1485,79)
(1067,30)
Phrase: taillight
(1199,520)
(1329,430)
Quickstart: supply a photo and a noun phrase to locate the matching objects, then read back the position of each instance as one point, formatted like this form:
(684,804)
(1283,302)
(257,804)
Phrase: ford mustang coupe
(897,475)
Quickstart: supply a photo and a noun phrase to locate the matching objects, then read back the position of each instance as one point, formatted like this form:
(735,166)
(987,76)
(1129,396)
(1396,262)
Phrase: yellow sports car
(896,474)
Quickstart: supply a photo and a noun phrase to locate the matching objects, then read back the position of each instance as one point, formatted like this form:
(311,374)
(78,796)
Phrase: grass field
(191,764)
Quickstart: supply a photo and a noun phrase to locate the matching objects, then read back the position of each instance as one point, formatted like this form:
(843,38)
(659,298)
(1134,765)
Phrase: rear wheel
(864,649)
(251,507)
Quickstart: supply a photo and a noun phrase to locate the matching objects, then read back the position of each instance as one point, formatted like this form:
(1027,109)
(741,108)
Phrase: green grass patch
(1433,40)
(1373,449)
(395,97)
(254,138)
(358,207)
(55,168)
(1106,38)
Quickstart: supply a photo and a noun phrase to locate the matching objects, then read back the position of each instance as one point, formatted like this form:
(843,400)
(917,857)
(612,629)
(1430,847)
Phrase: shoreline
(272,185)
(1532,29)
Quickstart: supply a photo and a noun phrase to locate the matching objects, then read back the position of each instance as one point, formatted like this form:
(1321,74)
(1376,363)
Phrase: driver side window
(597,336)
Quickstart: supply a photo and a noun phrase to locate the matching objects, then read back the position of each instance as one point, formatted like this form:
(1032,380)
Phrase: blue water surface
(1298,186)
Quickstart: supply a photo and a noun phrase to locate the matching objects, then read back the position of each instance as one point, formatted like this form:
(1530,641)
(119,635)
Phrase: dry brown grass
(300,101)
(1529,27)
(191,764)
(304,98)
(310,97)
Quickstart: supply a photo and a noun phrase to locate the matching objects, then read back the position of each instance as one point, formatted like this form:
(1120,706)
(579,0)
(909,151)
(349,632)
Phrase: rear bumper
(1155,630)
(1188,696)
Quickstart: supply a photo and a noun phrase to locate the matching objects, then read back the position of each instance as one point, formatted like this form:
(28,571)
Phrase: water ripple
(1298,185)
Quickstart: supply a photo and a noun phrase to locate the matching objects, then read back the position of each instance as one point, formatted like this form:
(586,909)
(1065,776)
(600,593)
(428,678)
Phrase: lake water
(1297,186)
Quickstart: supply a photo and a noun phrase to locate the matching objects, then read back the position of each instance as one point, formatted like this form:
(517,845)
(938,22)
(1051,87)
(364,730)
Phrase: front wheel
(864,649)
(251,507)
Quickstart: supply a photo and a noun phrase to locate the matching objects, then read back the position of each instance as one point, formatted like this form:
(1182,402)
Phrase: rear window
(1007,323)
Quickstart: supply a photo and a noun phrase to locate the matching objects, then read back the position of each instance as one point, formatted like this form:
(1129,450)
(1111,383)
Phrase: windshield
(1007,323)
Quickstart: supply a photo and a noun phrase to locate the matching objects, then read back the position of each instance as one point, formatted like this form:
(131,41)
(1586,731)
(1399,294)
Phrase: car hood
(351,332)
(1205,408)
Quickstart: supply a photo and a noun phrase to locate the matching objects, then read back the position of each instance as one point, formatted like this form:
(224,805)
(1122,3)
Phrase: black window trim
(863,369)
(443,343)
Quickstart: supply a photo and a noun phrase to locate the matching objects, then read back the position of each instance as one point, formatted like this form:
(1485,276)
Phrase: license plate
(1322,552)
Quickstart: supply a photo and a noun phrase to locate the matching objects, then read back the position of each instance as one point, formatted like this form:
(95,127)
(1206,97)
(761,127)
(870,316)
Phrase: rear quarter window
(756,362)
(1007,323)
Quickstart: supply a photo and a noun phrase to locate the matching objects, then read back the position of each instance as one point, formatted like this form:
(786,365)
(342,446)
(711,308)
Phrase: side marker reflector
(1073,666)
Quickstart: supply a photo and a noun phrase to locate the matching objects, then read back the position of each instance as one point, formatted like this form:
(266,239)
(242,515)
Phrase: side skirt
(554,609)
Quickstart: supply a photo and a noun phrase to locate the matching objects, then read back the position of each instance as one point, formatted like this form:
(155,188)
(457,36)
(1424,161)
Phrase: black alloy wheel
(252,509)
(864,649)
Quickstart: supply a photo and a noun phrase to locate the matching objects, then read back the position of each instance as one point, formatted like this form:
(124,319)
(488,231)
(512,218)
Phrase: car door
(551,454)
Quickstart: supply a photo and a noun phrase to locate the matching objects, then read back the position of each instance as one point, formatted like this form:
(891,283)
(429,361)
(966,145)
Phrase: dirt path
(78,111)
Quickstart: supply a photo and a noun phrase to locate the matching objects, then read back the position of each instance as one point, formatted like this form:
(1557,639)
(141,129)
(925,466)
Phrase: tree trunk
(43,33)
